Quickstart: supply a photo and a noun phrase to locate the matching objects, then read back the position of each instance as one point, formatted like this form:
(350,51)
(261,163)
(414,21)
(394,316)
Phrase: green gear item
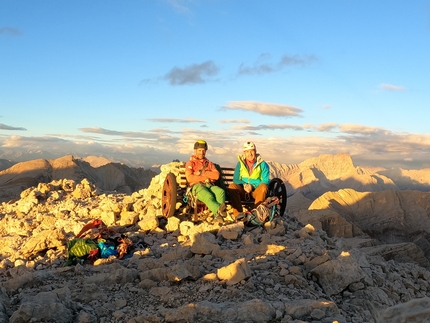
(78,248)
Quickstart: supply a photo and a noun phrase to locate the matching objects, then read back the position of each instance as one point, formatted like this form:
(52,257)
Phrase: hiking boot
(222,211)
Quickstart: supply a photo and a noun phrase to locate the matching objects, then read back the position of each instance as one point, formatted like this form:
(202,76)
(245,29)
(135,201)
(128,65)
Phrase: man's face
(250,155)
(200,153)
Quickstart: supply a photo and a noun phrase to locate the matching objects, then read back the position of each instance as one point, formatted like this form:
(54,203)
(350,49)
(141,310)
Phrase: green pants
(212,196)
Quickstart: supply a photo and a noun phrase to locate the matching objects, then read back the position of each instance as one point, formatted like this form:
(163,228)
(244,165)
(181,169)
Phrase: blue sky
(139,81)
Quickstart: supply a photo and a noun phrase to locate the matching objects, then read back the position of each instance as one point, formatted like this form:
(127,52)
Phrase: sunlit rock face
(387,216)
(315,176)
(417,179)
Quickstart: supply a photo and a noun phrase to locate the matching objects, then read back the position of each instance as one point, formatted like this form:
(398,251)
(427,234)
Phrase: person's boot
(222,211)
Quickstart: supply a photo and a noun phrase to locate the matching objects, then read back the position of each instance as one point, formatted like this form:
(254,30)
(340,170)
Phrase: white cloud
(269,127)
(176,120)
(129,134)
(270,109)
(390,87)
(327,127)
(235,121)
(359,129)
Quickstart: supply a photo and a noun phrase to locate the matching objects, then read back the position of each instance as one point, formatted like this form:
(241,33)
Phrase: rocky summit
(351,247)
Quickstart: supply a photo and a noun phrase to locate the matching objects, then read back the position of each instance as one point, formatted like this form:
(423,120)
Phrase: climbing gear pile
(265,212)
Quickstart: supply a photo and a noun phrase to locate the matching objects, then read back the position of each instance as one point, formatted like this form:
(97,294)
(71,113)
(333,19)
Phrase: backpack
(80,249)
(265,212)
(103,243)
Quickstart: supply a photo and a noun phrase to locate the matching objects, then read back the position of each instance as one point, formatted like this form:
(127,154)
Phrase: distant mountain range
(17,155)
(106,175)
(311,178)
(315,176)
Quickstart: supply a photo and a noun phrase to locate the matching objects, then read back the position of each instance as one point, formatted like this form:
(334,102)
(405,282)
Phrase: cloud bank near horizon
(373,146)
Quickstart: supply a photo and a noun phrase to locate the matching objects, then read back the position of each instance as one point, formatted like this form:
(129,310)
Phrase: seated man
(251,177)
(201,175)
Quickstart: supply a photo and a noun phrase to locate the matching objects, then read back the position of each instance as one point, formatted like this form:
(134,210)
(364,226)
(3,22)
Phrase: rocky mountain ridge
(315,176)
(317,263)
(311,178)
(104,174)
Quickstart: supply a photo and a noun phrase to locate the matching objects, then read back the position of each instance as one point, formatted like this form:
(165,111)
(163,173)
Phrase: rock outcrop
(388,216)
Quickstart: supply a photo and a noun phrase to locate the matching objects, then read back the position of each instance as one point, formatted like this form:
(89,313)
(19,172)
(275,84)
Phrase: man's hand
(247,188)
